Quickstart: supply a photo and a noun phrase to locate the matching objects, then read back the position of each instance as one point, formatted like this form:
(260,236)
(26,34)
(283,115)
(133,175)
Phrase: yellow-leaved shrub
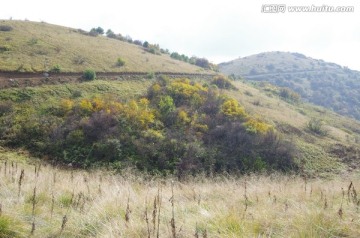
(255,125)
(232,109)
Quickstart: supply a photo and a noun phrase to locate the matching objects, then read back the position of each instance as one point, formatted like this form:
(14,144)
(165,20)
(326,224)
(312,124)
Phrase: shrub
(203,63)
(150,75)
(177,56)
(185,92)
(4,48)
(81,31)
(120,62)
(237,150)
(5,28)
(152,51)
(110,34)
(222,82)
(317,126)
(138,42)
(93,32)
(289,95)
(33,41)
(56,69)
(96,31)
(5,107)
(100,30)
(166,105)
(232,109)
(76,94)
(254,125)
(89,74)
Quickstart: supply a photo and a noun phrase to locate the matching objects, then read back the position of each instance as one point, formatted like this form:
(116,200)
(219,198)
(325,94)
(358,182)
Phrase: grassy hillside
(318,153)
(317,81)
(37,47)
(60,201)
(52,202)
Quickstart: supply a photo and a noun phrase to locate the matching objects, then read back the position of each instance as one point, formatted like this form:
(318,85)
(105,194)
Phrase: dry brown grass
(76,203)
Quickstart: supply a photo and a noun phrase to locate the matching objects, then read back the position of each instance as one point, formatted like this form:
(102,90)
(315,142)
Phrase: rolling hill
(29,47)
(162,154)
(319,82)
(39,47)
(23,111)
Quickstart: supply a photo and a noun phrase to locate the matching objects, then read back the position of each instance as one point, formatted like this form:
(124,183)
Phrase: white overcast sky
(218,30)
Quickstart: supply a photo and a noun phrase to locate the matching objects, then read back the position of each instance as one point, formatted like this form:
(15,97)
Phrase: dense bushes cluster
(201,62)
(179,127)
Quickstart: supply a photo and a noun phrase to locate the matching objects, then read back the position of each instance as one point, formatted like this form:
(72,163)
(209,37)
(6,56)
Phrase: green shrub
(289,95)
(96,31)
(222,82)
(5,107)
(56,69)
(110,34)
(152,51)
(89,74)
(317,126)
(33,41)
(150,75)
(76,94)
(203,63)
(4,48)
(120,62)
(5,28)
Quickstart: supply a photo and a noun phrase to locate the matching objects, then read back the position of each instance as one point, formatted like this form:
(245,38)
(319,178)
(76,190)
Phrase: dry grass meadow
(43,201)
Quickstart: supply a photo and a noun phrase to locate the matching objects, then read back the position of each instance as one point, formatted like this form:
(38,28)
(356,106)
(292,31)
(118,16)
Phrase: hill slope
(319,82)
(37,47)
(30,106)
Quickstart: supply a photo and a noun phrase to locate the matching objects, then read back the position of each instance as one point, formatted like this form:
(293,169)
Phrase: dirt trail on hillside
(18,80)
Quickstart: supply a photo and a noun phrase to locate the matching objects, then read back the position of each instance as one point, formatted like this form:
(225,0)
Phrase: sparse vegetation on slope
(319,82)
(291,119)
(37,47)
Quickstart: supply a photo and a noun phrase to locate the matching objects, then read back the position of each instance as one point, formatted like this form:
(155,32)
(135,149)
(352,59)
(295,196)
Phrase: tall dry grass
(43,201)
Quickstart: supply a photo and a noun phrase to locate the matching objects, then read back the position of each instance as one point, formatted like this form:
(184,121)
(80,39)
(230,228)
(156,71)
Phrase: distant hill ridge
(322,83)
